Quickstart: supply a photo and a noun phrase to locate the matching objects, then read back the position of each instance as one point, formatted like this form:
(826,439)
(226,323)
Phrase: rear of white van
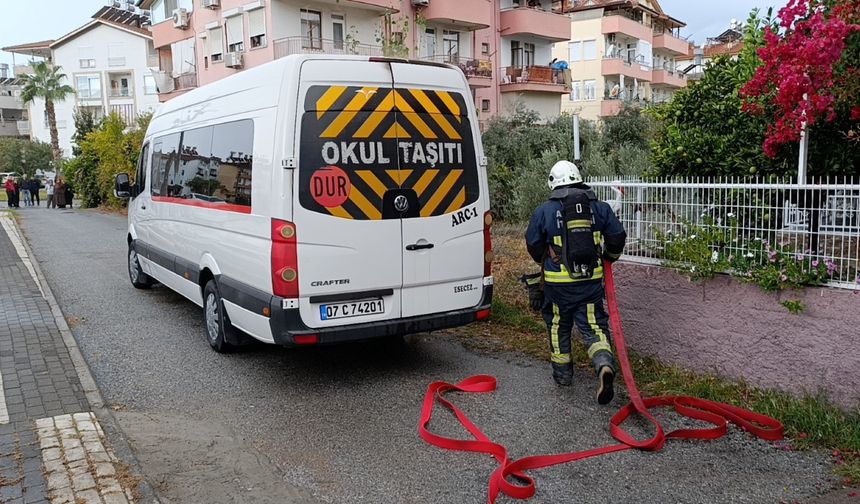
(389,229)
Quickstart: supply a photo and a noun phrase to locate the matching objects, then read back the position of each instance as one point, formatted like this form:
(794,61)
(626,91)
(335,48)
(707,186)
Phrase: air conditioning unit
(233,60)
(180,18)
(420,3)
(212,4)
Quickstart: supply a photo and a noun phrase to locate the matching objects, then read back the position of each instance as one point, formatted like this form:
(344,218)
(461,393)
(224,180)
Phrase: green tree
(46,83)
(85,122)
(704,131)
(24,157)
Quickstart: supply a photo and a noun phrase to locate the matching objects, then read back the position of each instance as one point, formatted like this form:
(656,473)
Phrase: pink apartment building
(503,46)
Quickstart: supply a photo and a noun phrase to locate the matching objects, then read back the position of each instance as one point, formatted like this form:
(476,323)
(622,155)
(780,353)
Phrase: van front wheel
(138,278)
(215,319)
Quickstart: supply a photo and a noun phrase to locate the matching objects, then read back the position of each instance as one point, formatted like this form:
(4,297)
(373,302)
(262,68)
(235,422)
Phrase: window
(589,50)
(576,91)
(575,50)
(183,57)
(451,46)
(149,86)
(232,158)
(485,48)
(89,86)
(119,86)
(430,42)
(529,53)
(516,54)
(311,29)
(192,178)
(235,34)
(116,55)
(211,164)
(257,28)
(337,31)
(140,178)
(88,63)
(485,105)
(216,44)
(590,87)
(165,157)
(151,55)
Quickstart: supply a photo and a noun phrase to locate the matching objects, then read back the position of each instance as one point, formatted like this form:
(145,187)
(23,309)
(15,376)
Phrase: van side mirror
(122,186)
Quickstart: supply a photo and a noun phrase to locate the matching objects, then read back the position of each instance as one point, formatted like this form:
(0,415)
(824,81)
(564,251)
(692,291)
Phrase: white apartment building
(107,62)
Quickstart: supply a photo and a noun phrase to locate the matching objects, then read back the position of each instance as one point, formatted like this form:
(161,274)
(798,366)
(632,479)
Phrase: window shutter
(216,41)
(235,33)
(257,22)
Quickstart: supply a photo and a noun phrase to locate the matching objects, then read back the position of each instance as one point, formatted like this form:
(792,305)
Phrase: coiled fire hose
(719,415)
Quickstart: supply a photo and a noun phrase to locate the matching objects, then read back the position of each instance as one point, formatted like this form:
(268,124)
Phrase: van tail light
(488,244)
(306,339)
(483,315)
(285,260)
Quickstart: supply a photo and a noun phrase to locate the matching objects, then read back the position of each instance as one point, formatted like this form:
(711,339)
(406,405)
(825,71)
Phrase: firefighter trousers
(579,303)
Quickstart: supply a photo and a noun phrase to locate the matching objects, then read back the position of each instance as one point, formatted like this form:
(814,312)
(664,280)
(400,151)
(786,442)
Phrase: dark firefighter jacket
(545,230)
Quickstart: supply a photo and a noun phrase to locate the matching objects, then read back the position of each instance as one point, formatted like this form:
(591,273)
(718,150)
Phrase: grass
(810,421)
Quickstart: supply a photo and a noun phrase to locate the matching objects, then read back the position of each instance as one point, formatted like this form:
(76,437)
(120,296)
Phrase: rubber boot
(605,385)
(562,374)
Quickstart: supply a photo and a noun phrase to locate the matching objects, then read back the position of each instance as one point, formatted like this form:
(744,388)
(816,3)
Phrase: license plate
(351,309)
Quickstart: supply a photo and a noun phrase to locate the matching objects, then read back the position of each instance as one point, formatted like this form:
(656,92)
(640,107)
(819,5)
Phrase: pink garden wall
(737,331)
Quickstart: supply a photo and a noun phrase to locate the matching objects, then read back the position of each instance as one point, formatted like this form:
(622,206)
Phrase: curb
(117,437)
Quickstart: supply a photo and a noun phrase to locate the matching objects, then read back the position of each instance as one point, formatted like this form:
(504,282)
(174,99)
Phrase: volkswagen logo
(401,204)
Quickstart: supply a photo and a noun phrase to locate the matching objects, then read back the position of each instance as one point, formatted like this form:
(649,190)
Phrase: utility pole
(577,158)
(804,149)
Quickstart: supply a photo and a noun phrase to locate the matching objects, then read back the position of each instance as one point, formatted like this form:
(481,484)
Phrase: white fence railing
(818,221)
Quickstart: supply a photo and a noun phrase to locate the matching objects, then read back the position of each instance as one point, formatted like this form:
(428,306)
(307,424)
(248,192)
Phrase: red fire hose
(719,415)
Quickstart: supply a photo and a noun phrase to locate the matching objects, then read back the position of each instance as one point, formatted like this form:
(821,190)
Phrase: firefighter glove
(534,287)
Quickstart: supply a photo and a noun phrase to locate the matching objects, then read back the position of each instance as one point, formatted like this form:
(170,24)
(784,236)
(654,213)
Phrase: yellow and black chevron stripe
(384,120)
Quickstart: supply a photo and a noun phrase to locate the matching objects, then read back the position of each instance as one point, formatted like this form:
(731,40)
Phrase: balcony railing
(121,93)
(23,127)
(471,67)
(185,81)
(312,45)
(532,75)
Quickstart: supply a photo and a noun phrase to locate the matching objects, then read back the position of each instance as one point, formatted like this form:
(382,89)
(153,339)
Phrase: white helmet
(563,173)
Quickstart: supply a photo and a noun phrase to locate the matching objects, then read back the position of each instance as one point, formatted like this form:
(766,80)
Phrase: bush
(521,149)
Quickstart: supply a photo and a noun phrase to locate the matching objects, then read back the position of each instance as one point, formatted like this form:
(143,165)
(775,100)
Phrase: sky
(29,21)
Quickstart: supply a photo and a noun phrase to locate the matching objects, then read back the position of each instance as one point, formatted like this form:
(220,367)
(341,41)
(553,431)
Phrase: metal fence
(818,222)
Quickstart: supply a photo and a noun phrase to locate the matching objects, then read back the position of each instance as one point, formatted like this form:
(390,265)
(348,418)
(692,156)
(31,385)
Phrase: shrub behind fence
(741,221)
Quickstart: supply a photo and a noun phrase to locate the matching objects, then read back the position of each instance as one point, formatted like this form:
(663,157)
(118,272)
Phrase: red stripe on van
(224,207)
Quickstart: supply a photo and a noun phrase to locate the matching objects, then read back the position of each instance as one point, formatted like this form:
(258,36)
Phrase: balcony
(459,14)
(164,34)
(670,43)
(535,79)
(668,78)
(380,5)
(533,22)
(610,108)
(479,72)
(626,26)
(23,128)
(170,87)
(619,66)
(9,128)
(307,45)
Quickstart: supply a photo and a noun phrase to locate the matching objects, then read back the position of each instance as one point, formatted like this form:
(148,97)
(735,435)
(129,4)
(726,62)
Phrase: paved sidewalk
(52,448)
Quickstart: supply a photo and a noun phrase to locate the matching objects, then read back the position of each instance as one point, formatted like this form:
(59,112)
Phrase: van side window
(194,176)
(232,158)
(165,157)
(140,178)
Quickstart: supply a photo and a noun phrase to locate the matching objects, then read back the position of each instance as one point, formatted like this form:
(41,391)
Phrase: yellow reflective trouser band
(603,344)
(557,356)
(557,240)
(563,277)
(533,281)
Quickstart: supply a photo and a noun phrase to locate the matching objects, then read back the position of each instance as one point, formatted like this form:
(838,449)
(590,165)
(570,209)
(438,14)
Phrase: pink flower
(815,263)
(783,278)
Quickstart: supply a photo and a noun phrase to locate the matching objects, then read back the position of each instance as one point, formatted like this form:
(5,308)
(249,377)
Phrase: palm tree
(46,82)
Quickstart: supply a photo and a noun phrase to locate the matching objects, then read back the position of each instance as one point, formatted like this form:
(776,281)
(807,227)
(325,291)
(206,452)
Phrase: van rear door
(349,243)
(438,153)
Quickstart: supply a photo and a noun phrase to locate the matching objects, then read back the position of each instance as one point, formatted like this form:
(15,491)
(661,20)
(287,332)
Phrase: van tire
(139,279)
(216,325)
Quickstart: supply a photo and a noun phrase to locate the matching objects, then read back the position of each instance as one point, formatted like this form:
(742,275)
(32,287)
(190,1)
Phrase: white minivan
(317,199)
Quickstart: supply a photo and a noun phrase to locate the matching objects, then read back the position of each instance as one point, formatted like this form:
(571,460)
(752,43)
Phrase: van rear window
(362,147)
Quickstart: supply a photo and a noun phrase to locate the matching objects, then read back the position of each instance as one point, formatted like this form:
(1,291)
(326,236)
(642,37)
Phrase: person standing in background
(35,188)
(60,193)
(9,185)
(49,189)
(25,190)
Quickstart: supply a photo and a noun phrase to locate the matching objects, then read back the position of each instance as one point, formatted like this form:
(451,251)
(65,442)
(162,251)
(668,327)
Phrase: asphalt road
(338,424)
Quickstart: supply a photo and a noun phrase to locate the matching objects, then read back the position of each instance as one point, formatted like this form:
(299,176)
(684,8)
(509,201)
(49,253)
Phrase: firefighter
(569,236)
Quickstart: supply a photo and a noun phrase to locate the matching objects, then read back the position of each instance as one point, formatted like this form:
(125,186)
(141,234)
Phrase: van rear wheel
(139,279)
(215,321)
